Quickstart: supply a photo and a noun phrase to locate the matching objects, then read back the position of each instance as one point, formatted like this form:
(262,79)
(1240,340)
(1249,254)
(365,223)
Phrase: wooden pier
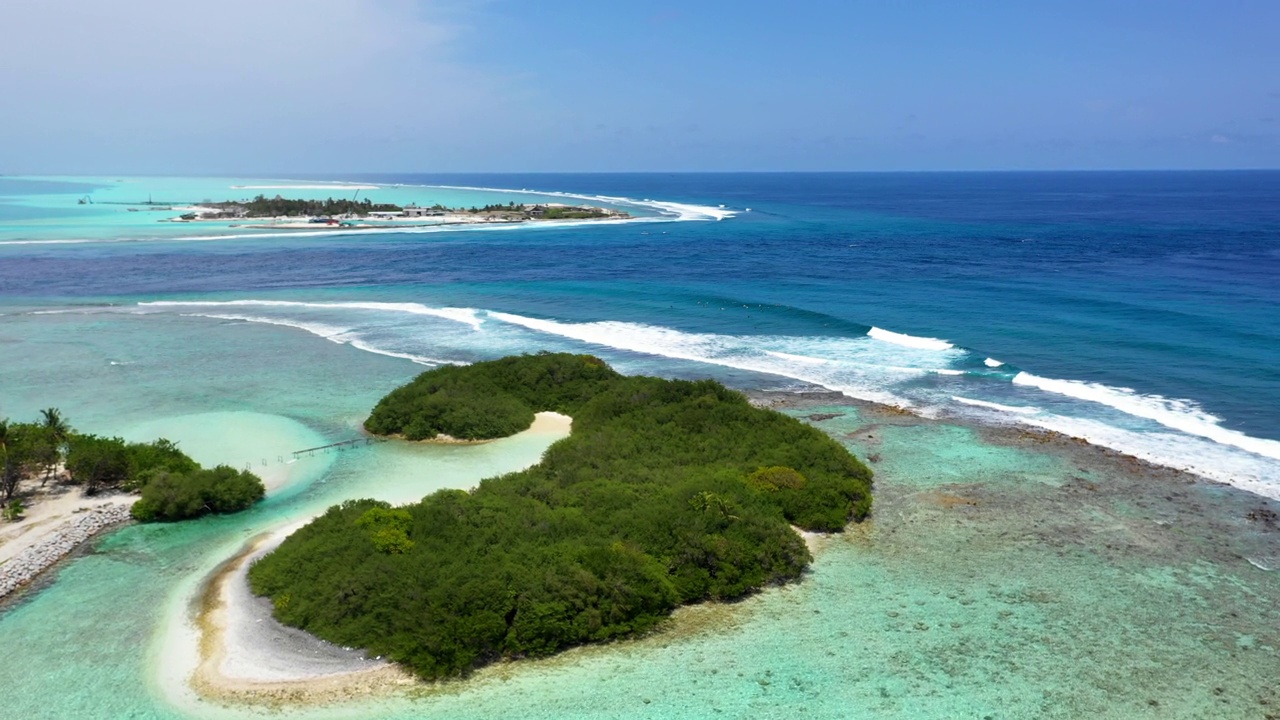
(336,446)
(310,452)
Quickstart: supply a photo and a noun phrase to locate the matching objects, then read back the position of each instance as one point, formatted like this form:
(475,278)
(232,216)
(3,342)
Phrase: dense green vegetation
(510,207)
(489,400)
(546,212)
(173,486)
(667,492)
(170,495)
(572,213)
(262,206)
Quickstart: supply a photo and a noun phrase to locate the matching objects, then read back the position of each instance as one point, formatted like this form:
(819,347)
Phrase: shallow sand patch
(550,423)
(264,444)
(815,541)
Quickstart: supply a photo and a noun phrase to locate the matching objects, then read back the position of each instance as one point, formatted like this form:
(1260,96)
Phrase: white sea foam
(1196,455)
(796,358)
(1181,415)
(419,359)
(1019,410)
(332,186)
(865,380)
(466,316)
(862,367)
(263,234)
(922,343)
(992,363)
(332,333)
(673,210)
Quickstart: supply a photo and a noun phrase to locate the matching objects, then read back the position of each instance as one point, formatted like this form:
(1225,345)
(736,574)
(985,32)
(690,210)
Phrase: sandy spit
(246,657)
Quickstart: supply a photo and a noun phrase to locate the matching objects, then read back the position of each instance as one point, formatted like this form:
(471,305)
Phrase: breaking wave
(912,341)
(931,376)
(1182,415)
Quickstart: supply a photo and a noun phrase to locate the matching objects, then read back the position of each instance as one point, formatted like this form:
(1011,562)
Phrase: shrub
(98,463)
(775,478)
(490,399)
(169,496)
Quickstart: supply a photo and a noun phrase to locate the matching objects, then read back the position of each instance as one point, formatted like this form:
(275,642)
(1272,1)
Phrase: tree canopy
(263,206)
(491,399)
(173,486)
(667,492)
(177,495)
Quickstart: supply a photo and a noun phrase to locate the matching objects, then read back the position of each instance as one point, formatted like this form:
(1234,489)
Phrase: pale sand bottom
(262,443)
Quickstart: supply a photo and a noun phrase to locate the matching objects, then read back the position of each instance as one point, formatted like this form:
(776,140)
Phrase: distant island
(303,213)
(666,493)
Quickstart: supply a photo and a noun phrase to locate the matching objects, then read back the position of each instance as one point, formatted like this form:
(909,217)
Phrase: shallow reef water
(1006,572)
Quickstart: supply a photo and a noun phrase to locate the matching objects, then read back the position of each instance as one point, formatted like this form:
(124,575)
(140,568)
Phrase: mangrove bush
(667,492)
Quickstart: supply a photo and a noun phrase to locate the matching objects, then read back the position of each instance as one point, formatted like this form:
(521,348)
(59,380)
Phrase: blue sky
(280,86)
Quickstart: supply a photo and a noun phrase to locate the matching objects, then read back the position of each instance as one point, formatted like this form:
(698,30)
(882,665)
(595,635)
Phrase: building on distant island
(414,211)
(386,214)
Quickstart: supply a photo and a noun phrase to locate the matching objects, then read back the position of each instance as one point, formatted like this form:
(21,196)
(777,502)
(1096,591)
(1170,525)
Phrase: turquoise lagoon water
(1001,576)
(138,209)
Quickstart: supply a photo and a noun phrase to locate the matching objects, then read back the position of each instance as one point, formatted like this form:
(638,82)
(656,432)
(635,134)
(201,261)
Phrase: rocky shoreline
(25,567)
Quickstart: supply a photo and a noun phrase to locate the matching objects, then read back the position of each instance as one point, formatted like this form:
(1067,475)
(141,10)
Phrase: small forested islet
(171,484)
(666,493)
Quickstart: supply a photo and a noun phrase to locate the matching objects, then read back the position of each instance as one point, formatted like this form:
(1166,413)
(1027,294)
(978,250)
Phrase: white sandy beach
(48,512)
(246,656)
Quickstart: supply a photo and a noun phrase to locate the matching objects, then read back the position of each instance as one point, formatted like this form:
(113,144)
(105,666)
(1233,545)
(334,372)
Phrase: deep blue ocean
(1140,310)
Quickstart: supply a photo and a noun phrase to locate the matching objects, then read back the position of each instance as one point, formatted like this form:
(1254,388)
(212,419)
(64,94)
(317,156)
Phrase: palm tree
(59,432)
(8,476)
(56,424)
(4,443)
(708,501)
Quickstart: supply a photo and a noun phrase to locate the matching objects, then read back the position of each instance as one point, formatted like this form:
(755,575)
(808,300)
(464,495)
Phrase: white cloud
(137,78)
(1219,139)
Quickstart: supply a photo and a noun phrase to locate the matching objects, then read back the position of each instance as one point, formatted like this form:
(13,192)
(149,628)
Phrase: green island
(262,206)
(666,493)
(172,485)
